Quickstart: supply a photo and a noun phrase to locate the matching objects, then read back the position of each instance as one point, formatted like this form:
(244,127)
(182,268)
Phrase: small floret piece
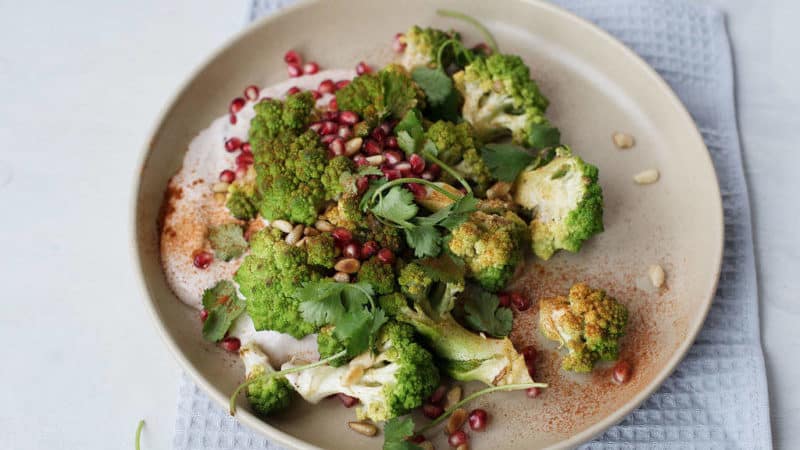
(501,99)
(414,282)
(491,246)
(565,200)
(388,93)
(321,250)
(457,148)
(267,394)
(275,118)
(366,227)
(588,322)
(334,174)
(422,46)
(378,274)
(242,200)
(328,345)
(390,382)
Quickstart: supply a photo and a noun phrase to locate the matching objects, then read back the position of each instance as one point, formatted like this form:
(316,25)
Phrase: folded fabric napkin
(717,397)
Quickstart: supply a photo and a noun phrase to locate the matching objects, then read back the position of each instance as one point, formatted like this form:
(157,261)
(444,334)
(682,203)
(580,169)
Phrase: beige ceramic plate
(596,86)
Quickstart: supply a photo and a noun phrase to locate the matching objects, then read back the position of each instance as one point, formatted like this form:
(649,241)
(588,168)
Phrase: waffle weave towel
(717,398)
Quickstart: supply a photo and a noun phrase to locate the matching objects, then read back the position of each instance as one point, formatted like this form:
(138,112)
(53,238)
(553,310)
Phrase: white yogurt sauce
(191,210)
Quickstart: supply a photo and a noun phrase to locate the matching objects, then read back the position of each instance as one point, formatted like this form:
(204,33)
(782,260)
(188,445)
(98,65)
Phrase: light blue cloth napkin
(717,397)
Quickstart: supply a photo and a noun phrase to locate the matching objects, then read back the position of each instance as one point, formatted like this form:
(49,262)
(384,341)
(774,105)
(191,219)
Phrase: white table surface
(80,86)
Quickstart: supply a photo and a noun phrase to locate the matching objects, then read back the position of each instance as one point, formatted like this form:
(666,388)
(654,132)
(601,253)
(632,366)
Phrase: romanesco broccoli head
(275,117)
(388,93)
(321,250)
(242,199)
(422,46)
(566,202)
(332,177)
(414,282)
(378,274)
(451,139)
(266,394)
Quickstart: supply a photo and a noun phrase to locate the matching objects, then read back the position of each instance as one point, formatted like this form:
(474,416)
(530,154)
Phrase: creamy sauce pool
(191,209)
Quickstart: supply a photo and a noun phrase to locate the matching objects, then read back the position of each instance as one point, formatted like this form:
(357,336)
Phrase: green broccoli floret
(588,322)
(275,118)
(378,274)
(422,46)
(566,202)
(328,345)
(321,250)
(491,246)
(457,148)
(268,278)
(227,240)
(267,394)
(414,282)
(389,382)
(242,200)
(388,93)
(332,177)
(365,226)
(500,98)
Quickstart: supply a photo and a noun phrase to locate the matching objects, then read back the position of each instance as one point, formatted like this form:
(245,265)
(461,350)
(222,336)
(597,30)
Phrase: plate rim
(254,422)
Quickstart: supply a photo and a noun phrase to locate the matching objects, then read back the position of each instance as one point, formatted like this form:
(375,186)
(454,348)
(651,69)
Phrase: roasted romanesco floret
(458,148)
(588,322)
(332,177)
(388,93)
(321,250)
(378,274)
(422,46)
(266,394)
(500,98)
(491,245)
(565,200)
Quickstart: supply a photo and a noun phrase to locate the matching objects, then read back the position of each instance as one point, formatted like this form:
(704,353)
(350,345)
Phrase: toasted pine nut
(622,140)
(352,146)
(301,242)
(220,198)
(323,225)
(648,176)
(347,265)
(282,225)
(456,420)
(220,186)
(375,160)
(310,231)
(341,277)
(453,396)
(499,189)
(365,428)
(294,234)
(657,275)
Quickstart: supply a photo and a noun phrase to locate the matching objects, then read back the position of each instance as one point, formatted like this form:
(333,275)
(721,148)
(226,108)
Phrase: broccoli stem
(473,396)
(137,441)
(472,21)
(241,387)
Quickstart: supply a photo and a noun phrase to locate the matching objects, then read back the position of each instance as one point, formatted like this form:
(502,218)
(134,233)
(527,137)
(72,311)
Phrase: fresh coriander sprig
(487,35)
(137,441)
(401,181)
(267,376)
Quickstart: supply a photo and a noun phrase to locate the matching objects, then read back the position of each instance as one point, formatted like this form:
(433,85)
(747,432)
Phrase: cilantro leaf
(223,306)
(436,84)
(445,268)
(411,123)
(484,313)
(228,241)
(406,142)
(424,239)
(397,205)
(448,110)
(374,185)
(543,136)
(460,211)
(506,161)
(396,432)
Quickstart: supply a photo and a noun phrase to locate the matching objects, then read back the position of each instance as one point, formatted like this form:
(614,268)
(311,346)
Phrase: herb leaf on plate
(482,312)
(228,241)
(223,306)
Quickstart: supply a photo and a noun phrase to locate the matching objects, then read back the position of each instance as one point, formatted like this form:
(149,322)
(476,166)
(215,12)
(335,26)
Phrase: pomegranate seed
(231,344)
(417,163)
(404,168)
(397,44)
(332,116)
(386,128)
(246,147)
(329,127)
(327,87)
(310,68)
(391,142)
(333,105)
(432,411)
(292,57)
(251,92)
(316,95)
(342,236)
(202,260)
(478,419)
(233,144)
(345,132)
(362,68)
(362,184)
(417,189)
(347,401)
(227,176)
(292,90)
(458,438)
(341,84)
(294,70)
(378,134)
(504,299)
(236,105)
(245,159)
(368,249)
(520,301)
(386,255)
(203,315)
(533,392)
(327,139)
(360,160)
(372,147)
(622,372)
(337,146)
(316,126)
(241,171)
(232,119)
(529,353)
(393,157)
(435,170)
(427,176)
(438,395)
(417,439)
(352,250)
(348,118)
(391,174)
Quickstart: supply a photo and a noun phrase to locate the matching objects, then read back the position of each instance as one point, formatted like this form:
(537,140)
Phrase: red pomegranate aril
(345,132)
(457,438)
(342,236)
(478,418)
(360,160)
(393,157)
(347,401)
(227,176)
(333,105)
(310,68)
(246,147)
(417,439)
(529,353)
(327,87)
(203,315)
(622,372)
(435,170)
(362,183)
(294,70)
(386,128)
(404,167)
(316,95)
(368,249)
(236,105)
(329,127)
(241,171)
(341,84)
(432,411)
(292,90)
(391,142)
(427,175)
(520,302)
(316,126)
(417,189)
(332,116)
(327,139)
(244,159)
(438,395)
(372,147)
(417,163)
(352,250)
(397,44)
(232,119)
(337,146)
(233,144)
(202,260)
(533,392)
(391,174)
(348,118)
(386,256)
(231,344)
(362,68)
(251,92)
(292,57)
(504,299)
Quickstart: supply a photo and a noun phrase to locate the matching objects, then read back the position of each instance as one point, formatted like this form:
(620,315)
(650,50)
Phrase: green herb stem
(472,21)
(431,184)
(449,170)
(137,441)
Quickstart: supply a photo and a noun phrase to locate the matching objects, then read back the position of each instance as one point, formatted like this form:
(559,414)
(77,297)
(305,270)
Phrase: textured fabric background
(717,397)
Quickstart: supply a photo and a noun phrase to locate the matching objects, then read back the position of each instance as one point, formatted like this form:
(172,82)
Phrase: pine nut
(456,420)
(375,160)
(282,225)
(294,234)
(352,146)
(657,275)
(341,277)
(301,242)
(347,265)
(310,231)
(453,396)
(220,198)
(648,176)
(623,140)
(323,225)
(500,189)
(364,428)
(220,187)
